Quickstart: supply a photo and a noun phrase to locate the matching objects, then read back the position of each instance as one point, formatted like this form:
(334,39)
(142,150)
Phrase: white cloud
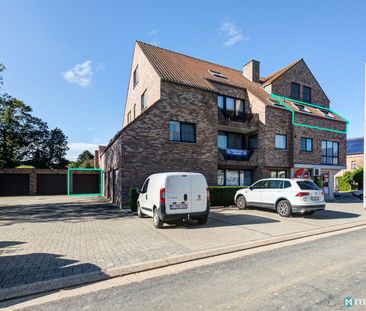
(232,33)
(81,74)
(77,148)
(153,32)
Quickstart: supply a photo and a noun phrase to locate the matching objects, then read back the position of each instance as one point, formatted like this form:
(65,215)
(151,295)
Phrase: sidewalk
(60,242)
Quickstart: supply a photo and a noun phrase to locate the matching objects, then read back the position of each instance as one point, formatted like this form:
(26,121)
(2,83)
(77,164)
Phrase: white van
(168,197)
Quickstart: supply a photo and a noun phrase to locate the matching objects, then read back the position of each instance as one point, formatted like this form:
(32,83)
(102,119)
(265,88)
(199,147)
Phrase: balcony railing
(236,154)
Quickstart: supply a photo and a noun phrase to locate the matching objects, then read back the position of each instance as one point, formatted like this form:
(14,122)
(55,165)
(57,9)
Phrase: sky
(70,60)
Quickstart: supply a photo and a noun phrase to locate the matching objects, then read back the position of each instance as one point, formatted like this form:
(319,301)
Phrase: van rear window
(307,185)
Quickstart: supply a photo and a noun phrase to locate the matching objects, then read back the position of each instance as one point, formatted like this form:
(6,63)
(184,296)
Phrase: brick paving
(43,238)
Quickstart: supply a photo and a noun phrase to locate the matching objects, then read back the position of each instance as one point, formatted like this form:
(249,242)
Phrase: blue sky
(70,60)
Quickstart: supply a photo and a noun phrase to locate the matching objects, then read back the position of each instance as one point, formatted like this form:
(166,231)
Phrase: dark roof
(355,145)
(190,71)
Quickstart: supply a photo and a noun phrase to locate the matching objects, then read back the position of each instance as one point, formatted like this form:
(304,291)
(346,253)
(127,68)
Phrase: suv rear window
(307,185)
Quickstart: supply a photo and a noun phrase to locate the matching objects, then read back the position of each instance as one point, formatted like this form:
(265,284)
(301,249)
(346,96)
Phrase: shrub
(358,177)
(132,199)
(342,184)
(223,195)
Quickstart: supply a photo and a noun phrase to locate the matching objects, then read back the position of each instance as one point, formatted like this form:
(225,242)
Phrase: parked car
(170,197)
(284,195)
(358,194)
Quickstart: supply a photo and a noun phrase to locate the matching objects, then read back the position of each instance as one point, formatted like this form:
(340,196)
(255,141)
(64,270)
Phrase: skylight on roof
(303,108)
(327,113)
(216,74)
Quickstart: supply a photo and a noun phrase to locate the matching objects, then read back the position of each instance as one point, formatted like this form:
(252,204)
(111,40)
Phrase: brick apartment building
(234,126)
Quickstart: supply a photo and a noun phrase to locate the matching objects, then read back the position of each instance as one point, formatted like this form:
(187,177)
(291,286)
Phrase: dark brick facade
(142,147)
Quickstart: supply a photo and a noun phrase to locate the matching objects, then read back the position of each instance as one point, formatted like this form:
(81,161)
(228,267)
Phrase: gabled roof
(182,69)
(355,145)
(274,76)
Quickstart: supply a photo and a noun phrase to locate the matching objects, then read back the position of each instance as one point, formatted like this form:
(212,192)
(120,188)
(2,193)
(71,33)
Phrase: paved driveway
(44,238)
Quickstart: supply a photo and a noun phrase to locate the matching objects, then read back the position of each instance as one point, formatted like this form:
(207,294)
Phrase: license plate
(315,198)
(179,206)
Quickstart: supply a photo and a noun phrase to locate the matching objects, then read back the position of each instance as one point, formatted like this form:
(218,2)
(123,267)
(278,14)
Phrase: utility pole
(364,148)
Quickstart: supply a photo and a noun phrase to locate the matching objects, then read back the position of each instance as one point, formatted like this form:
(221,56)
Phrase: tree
(16,127)
(84,156)
(2,69)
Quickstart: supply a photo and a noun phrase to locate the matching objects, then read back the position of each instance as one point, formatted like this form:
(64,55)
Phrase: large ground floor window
(234,177)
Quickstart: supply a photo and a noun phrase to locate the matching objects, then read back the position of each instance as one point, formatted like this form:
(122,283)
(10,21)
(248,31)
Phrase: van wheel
(139,211)
(202,220)
(241,203)
(158,223)
(284,208)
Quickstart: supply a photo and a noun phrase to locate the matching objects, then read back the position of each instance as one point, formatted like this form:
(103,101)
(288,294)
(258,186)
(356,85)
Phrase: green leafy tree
(84,156)
(2,69)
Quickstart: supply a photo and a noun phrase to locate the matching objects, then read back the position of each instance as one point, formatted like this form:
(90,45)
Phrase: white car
(168,197)
(284,195)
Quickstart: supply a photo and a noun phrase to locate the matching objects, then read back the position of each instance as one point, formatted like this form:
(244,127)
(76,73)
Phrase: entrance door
(326,185)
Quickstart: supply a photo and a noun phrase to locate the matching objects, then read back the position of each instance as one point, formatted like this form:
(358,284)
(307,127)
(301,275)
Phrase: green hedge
(223,195)
(132,199)
(342,184)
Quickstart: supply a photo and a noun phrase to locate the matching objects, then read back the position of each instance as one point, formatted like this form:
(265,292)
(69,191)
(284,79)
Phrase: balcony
(239,123)
(237,158)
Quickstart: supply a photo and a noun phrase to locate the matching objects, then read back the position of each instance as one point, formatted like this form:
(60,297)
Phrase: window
(230,140)
(353,165)
(182,132)
(135,76)
(302,108)
(307,185)
(234,177)
(306,144)
(295,90)
(134,111)
(327,113)
(330,152)
(253,142)
(232,108)
(143,100)
(128,117)
(274,184)
(260,184)
(216,74)
(144,187)
(280,141)
(306,94)
(278,174)
(286,184)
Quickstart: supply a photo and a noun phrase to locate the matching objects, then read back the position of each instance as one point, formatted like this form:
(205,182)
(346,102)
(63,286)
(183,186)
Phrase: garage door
(51,184)
(86,183)
(14,184)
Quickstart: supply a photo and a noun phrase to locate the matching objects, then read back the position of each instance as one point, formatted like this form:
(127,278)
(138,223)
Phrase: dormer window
(327,113)
(302,108)
(216,74)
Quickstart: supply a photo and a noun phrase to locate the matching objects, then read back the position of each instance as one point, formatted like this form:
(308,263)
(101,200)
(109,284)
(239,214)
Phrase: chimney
(251,70)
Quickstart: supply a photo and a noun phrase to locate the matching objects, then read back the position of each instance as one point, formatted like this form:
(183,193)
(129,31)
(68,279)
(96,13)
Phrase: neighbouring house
(354,153)
(233,126)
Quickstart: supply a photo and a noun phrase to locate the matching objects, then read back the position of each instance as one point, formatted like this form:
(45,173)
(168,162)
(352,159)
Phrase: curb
(90,277)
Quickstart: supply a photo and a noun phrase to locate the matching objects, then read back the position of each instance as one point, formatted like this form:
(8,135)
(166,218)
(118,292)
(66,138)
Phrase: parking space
(48,237)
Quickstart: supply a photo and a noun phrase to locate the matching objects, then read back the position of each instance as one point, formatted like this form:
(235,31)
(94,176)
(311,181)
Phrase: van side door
(144,196)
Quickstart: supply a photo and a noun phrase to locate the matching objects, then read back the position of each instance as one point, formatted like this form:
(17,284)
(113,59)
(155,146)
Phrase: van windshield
(307,185)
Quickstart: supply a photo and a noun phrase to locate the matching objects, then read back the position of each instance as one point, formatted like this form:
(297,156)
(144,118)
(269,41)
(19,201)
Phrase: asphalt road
(315,275)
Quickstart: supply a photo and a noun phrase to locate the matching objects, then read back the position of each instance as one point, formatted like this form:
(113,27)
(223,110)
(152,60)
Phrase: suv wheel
(158,223)
(241,203)
(284,208)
